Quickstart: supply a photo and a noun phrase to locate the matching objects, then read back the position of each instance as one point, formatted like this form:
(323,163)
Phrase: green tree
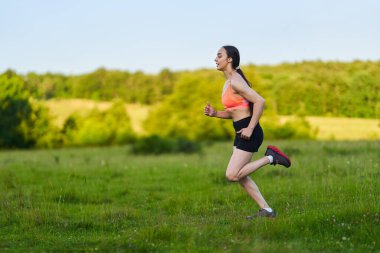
(362,96)
(181,113)
(24,123)
(15,110)
(112,126)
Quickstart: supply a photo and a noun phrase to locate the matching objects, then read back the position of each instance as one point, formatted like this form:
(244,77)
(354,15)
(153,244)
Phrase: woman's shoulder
(238,83)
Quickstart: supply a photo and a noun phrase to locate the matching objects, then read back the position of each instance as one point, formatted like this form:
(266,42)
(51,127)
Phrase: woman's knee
(232,177)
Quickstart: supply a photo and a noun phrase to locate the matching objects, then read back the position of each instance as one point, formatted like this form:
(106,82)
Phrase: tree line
(101,84)
(311,88)
(306,88)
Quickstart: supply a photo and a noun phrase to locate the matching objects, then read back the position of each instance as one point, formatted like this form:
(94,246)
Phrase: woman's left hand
(245,133)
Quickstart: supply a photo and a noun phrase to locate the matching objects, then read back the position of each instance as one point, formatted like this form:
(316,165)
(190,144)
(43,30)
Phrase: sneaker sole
(276,150)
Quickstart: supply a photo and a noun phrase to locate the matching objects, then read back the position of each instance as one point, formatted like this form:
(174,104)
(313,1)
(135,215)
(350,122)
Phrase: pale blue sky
(79,36)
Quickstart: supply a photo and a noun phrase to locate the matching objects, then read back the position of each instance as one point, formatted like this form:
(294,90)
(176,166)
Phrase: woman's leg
(251,167)
(240,165)
(239,160)
(253,191)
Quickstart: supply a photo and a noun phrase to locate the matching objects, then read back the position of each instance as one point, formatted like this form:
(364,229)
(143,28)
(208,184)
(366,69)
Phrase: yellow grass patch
(333,128)
(61,109)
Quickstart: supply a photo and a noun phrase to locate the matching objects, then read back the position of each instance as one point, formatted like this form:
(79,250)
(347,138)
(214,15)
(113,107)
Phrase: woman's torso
(236,105)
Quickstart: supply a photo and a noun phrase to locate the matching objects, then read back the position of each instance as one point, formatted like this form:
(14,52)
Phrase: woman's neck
(229,73)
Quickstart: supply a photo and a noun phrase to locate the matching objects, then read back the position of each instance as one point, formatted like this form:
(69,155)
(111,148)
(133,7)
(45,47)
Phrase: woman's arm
(211,112)
(258,102)
(222,114)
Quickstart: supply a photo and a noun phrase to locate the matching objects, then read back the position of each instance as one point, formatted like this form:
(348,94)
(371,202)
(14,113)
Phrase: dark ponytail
(233,53)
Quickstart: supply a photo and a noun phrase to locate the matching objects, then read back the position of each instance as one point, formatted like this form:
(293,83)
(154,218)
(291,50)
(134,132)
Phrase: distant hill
(348,89)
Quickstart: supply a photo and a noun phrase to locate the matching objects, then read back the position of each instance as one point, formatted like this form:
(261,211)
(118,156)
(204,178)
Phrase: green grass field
(108,200)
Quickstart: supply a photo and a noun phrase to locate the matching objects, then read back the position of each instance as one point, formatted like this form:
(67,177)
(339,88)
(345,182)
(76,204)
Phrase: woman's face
(222,59)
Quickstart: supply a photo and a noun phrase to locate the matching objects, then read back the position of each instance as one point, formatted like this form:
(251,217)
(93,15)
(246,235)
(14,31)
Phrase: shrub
(295,128)
(108,127)
(24,123)
(42,131)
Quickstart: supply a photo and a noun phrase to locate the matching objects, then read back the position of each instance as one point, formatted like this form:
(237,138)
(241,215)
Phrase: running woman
(244,106)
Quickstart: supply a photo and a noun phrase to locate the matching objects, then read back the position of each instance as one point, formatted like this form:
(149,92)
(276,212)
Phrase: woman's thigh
(237,161)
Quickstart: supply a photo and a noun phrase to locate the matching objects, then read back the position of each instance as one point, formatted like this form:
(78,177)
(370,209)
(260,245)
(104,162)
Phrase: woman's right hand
(209,110)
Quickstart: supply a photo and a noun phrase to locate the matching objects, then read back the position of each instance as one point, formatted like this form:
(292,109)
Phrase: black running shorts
(257,137)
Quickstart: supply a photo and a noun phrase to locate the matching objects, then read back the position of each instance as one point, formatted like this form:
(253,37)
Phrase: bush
(99,127)
(41,130)
(24,123)
(158,145)
(296,128)
(181,113)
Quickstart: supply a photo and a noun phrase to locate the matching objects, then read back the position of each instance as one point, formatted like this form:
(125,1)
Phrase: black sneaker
(278,156)
(262,213)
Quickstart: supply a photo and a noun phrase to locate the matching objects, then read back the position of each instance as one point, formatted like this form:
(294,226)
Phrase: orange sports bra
(232,101)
